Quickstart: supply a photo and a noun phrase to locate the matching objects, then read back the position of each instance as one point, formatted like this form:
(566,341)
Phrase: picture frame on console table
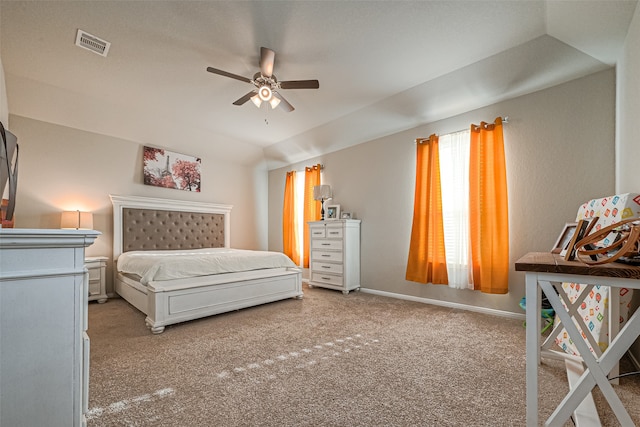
(564,238)
(582,229)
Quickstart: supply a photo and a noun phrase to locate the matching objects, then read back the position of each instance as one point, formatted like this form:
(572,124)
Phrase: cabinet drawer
(323,267)
(318,232)
(327,244)
(326,278)
(326,256)
(334,232)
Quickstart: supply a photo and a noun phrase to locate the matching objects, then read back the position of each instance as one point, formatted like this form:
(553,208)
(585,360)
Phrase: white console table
(541,270)
(44,347)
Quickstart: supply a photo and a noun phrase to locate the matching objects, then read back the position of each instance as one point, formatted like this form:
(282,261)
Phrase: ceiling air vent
(92,43)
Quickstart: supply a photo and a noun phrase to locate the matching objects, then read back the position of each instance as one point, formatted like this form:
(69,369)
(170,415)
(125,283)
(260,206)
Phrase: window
(298,209)
(461,186)
(299,190)
(454,181)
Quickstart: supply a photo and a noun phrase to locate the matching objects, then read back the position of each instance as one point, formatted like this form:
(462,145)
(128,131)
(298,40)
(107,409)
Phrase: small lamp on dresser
(322,193)
(76,220)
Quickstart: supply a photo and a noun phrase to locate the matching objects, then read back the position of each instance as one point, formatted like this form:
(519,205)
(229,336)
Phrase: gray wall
(560,153)
(62,168)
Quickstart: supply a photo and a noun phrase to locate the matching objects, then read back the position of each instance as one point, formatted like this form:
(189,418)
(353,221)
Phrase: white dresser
(44,347)
(334,254)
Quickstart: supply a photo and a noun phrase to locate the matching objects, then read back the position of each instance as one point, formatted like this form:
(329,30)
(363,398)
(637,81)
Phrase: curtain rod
(304,167)
(505,120)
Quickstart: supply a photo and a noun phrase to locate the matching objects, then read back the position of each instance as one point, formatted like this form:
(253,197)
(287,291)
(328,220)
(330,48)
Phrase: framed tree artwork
(164,168)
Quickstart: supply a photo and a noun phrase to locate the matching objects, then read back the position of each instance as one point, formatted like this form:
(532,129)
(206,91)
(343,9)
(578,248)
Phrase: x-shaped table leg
(572,309)
(597,370)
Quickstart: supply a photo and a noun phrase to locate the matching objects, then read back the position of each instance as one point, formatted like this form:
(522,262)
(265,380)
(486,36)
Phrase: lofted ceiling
(383,66)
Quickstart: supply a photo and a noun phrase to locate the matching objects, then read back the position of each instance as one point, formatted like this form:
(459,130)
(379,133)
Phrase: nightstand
(97,267)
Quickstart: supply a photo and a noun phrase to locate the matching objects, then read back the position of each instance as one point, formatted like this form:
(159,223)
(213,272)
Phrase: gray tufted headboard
(142,223)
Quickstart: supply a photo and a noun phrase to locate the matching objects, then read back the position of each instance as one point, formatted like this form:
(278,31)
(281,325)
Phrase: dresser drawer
(334,232)
(318,232)
(323,267)
(327,244)
(326,278)
(326,256)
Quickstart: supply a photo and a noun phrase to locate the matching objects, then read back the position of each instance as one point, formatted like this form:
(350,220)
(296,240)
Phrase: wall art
(164,168)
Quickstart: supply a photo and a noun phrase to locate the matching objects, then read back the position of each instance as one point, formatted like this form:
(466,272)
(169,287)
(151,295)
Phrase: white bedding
(179,264)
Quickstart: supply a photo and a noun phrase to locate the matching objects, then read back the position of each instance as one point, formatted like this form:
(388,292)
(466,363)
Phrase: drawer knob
(326,266)
(327,278)
(326,244)
(326,256)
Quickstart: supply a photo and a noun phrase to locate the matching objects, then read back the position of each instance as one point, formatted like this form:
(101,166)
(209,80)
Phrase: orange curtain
(289,220)
(488,209)
(427,262)
(311,207)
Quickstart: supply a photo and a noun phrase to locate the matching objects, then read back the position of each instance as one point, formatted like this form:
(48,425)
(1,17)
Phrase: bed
(145,228)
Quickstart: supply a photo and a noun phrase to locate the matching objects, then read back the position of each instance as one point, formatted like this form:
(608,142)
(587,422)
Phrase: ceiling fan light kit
(266,84)
(264,93)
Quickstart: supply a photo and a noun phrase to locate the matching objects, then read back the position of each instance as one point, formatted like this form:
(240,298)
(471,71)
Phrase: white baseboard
(448,304)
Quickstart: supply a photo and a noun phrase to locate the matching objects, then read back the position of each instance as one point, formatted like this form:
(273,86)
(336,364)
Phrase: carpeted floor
(326,360)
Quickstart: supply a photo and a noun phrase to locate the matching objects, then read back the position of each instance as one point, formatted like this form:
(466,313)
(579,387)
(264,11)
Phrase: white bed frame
(174,301)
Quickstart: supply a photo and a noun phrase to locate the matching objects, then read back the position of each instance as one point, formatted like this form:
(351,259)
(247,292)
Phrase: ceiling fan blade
(267,58)
(284,104)
(245,98)
(300,84)
(227,74)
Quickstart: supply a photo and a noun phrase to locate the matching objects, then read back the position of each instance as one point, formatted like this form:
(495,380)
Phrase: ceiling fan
(267,86)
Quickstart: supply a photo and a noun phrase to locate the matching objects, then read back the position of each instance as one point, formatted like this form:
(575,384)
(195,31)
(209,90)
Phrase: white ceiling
(383,66)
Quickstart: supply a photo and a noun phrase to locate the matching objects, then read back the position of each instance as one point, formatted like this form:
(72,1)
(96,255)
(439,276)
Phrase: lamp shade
(274,101)
(76,220)
(256,100)
(322,192)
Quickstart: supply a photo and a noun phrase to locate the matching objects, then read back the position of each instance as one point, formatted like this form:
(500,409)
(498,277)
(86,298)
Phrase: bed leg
(155,329)
(299,296)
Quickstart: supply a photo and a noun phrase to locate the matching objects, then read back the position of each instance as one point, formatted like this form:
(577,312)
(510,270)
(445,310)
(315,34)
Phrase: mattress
(153,266)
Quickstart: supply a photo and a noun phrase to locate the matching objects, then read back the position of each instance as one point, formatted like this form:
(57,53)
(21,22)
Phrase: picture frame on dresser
(333,212)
